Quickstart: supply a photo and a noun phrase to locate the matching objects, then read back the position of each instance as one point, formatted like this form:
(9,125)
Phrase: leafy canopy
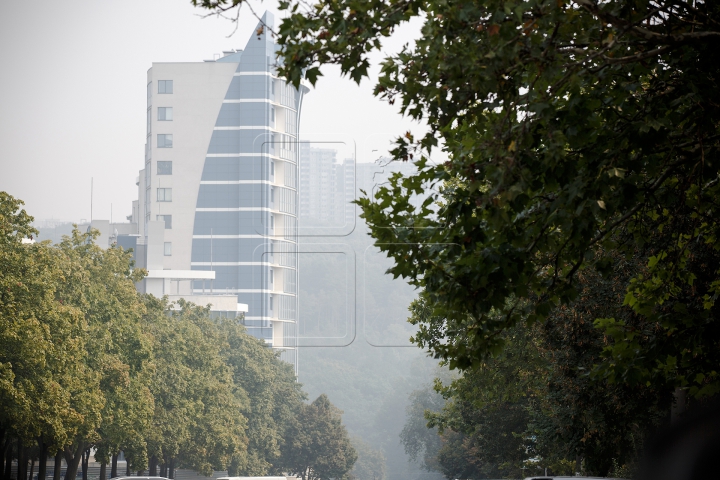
(573,128)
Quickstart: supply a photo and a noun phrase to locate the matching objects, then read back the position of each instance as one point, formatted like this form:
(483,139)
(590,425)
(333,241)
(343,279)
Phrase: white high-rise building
(216,216)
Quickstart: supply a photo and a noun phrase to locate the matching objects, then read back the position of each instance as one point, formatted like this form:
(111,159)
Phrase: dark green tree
(484,422)
(539,389)
(101,284)
(584,416)
(197,422)
(317,446)
(46,389)
(269,396)
(572,128)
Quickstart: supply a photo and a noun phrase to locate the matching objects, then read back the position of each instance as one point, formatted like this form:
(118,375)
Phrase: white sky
(72,97)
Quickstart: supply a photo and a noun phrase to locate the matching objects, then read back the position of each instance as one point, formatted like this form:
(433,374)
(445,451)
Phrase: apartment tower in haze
(216,214)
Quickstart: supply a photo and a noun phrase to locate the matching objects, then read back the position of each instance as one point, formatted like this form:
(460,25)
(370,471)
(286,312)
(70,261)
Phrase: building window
(272,221)
(167,219)
(272,280)
(272,168)
(272,114)
(149,120)
(164,168)
(165,114)
(164,194)
(165,86)
(164,140)
(271,303)
(168,249)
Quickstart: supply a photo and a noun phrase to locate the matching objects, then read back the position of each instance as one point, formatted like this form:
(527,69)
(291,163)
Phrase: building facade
(216,216)
(317,183)
(329,187)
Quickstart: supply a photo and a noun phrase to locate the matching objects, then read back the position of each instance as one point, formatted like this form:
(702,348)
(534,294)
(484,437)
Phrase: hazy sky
(72,96)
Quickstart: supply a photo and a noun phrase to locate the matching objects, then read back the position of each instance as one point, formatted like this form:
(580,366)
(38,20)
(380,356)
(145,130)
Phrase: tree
(197,419)
(484,423)
(269,396)
(101,284)
(573,128)
(47,392)
(534,404)
(318,446)
(370,464)
(420,442)
(88,362)
(585,417)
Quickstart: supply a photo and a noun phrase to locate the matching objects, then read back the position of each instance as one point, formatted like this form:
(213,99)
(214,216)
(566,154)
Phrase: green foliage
(587,416)
(318,446)
(572,129)
(370,464)
(88,362)
(535,405)
(45,386)
(420,441)
(484,424)
(101,284)
(197,413)
(269,394)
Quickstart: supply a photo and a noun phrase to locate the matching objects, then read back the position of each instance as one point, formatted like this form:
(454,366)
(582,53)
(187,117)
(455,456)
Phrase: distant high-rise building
(328,187)
(317,183)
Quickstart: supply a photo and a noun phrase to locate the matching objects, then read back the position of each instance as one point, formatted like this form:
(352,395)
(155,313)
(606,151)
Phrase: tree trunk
(171,468)
(113,466)
(679,404)
(73,460)
(103,471)
(3,453)
(32,469)
(3,446)
(85,463)
(42,459)
(57,468)
(22,462)
(127,467)
(578,464)
(8,459)
(153,466)
(163,470)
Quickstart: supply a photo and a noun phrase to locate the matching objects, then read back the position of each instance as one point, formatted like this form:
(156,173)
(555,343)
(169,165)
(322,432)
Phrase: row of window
(165,114)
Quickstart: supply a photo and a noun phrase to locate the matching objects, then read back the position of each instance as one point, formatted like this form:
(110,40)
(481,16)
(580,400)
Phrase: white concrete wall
(198,92)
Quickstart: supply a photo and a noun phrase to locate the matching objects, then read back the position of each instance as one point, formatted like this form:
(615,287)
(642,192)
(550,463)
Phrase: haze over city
(73,101)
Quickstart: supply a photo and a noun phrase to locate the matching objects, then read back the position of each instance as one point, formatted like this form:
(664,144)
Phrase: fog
(72,96)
